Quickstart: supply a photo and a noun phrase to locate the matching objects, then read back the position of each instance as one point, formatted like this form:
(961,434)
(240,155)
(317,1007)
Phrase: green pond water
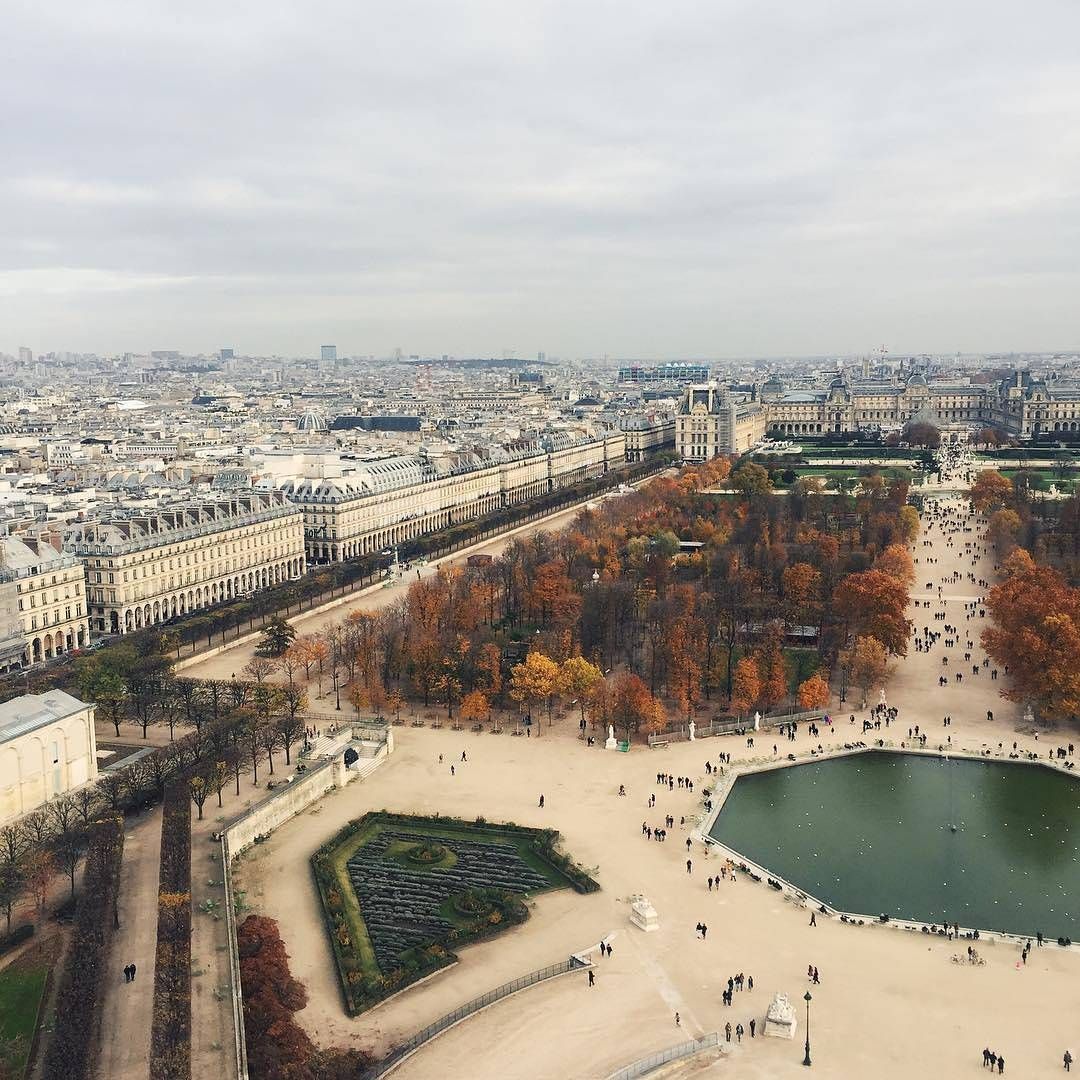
(874,834)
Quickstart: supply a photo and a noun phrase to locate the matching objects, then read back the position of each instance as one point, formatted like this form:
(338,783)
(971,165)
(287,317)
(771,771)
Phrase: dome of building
(311,421)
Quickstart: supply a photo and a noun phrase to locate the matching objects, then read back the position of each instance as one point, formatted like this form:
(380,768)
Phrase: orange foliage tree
(874,602)
(746,687)
(813,692)
(990,491)
(1036,632)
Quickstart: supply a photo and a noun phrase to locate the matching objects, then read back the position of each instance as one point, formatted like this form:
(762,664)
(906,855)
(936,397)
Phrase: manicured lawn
(21,987)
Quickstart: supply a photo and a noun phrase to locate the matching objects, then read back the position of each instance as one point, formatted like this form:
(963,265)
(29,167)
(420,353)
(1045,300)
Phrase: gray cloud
(698,178)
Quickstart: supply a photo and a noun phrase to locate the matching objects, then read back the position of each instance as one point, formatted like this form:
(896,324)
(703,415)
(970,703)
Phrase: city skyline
(742,180)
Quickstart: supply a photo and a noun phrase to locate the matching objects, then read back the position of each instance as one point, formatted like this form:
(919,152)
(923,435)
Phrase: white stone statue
(611,744)
(757,721)
(780,1019)
(693,728)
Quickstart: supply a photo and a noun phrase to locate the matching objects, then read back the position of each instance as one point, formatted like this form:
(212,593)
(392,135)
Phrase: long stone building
(379,504)
(43,603)
(145,567)
(1019,405)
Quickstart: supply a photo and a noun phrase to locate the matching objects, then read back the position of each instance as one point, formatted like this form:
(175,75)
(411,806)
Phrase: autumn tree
(990,491)
(1035,631)
(578,677)
(813,692)
(632,705)
(534,680)
(746,686)
(474,707)
(896,560)
(1002,529)
(865,661)
(874,603)
(772,669)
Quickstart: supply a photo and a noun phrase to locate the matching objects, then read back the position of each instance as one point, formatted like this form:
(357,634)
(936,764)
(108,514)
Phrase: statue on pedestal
(693,728)
(757,721)
(611,744)
(780,1019)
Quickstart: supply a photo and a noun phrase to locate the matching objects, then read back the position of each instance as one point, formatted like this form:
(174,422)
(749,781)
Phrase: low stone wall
(286,802)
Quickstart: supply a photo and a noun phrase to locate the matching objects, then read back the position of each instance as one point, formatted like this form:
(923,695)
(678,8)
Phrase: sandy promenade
(890,1004)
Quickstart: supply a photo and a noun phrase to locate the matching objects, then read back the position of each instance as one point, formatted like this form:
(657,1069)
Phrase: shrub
(170,1036)
(16,937)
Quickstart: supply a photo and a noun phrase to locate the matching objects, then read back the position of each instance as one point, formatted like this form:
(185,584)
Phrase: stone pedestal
(612,743)
(643,914)
(780,1019)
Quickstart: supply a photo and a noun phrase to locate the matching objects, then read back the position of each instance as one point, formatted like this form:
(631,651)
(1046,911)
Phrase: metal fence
(644,1066)
(398,1054)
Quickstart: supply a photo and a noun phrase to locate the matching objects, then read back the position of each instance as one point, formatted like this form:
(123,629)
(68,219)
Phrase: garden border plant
(363,983)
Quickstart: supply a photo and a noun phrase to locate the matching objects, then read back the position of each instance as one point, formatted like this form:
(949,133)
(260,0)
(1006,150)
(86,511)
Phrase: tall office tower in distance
(328,352)
(26,356)
(225,354)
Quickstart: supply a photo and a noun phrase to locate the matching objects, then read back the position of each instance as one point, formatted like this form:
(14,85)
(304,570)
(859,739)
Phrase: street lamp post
(806,1056)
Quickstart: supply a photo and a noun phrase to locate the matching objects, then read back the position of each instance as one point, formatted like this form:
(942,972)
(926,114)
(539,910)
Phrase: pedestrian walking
(592,978)
(541,802)
(813,918)
(1067,1059)
(739,1032)
(727,1036)
(132,972)
(689,866)
(678,1020)
(753,1024)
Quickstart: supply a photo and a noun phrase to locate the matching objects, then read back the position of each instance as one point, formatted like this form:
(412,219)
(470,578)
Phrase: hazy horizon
(742,178)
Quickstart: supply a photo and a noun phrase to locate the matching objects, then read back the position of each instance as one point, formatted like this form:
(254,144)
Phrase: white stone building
(47,747)
(43,609)
(146,567)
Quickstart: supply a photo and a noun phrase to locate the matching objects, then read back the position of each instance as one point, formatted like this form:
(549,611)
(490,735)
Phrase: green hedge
(362,985)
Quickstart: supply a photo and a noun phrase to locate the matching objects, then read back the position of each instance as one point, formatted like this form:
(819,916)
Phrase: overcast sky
(716,178)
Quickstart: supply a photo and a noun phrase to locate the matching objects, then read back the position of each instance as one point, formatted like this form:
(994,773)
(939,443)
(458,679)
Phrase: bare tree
(62,812)
(69,849)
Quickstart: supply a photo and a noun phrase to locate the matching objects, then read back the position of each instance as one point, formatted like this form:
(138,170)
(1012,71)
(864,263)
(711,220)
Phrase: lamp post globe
(806,1057)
